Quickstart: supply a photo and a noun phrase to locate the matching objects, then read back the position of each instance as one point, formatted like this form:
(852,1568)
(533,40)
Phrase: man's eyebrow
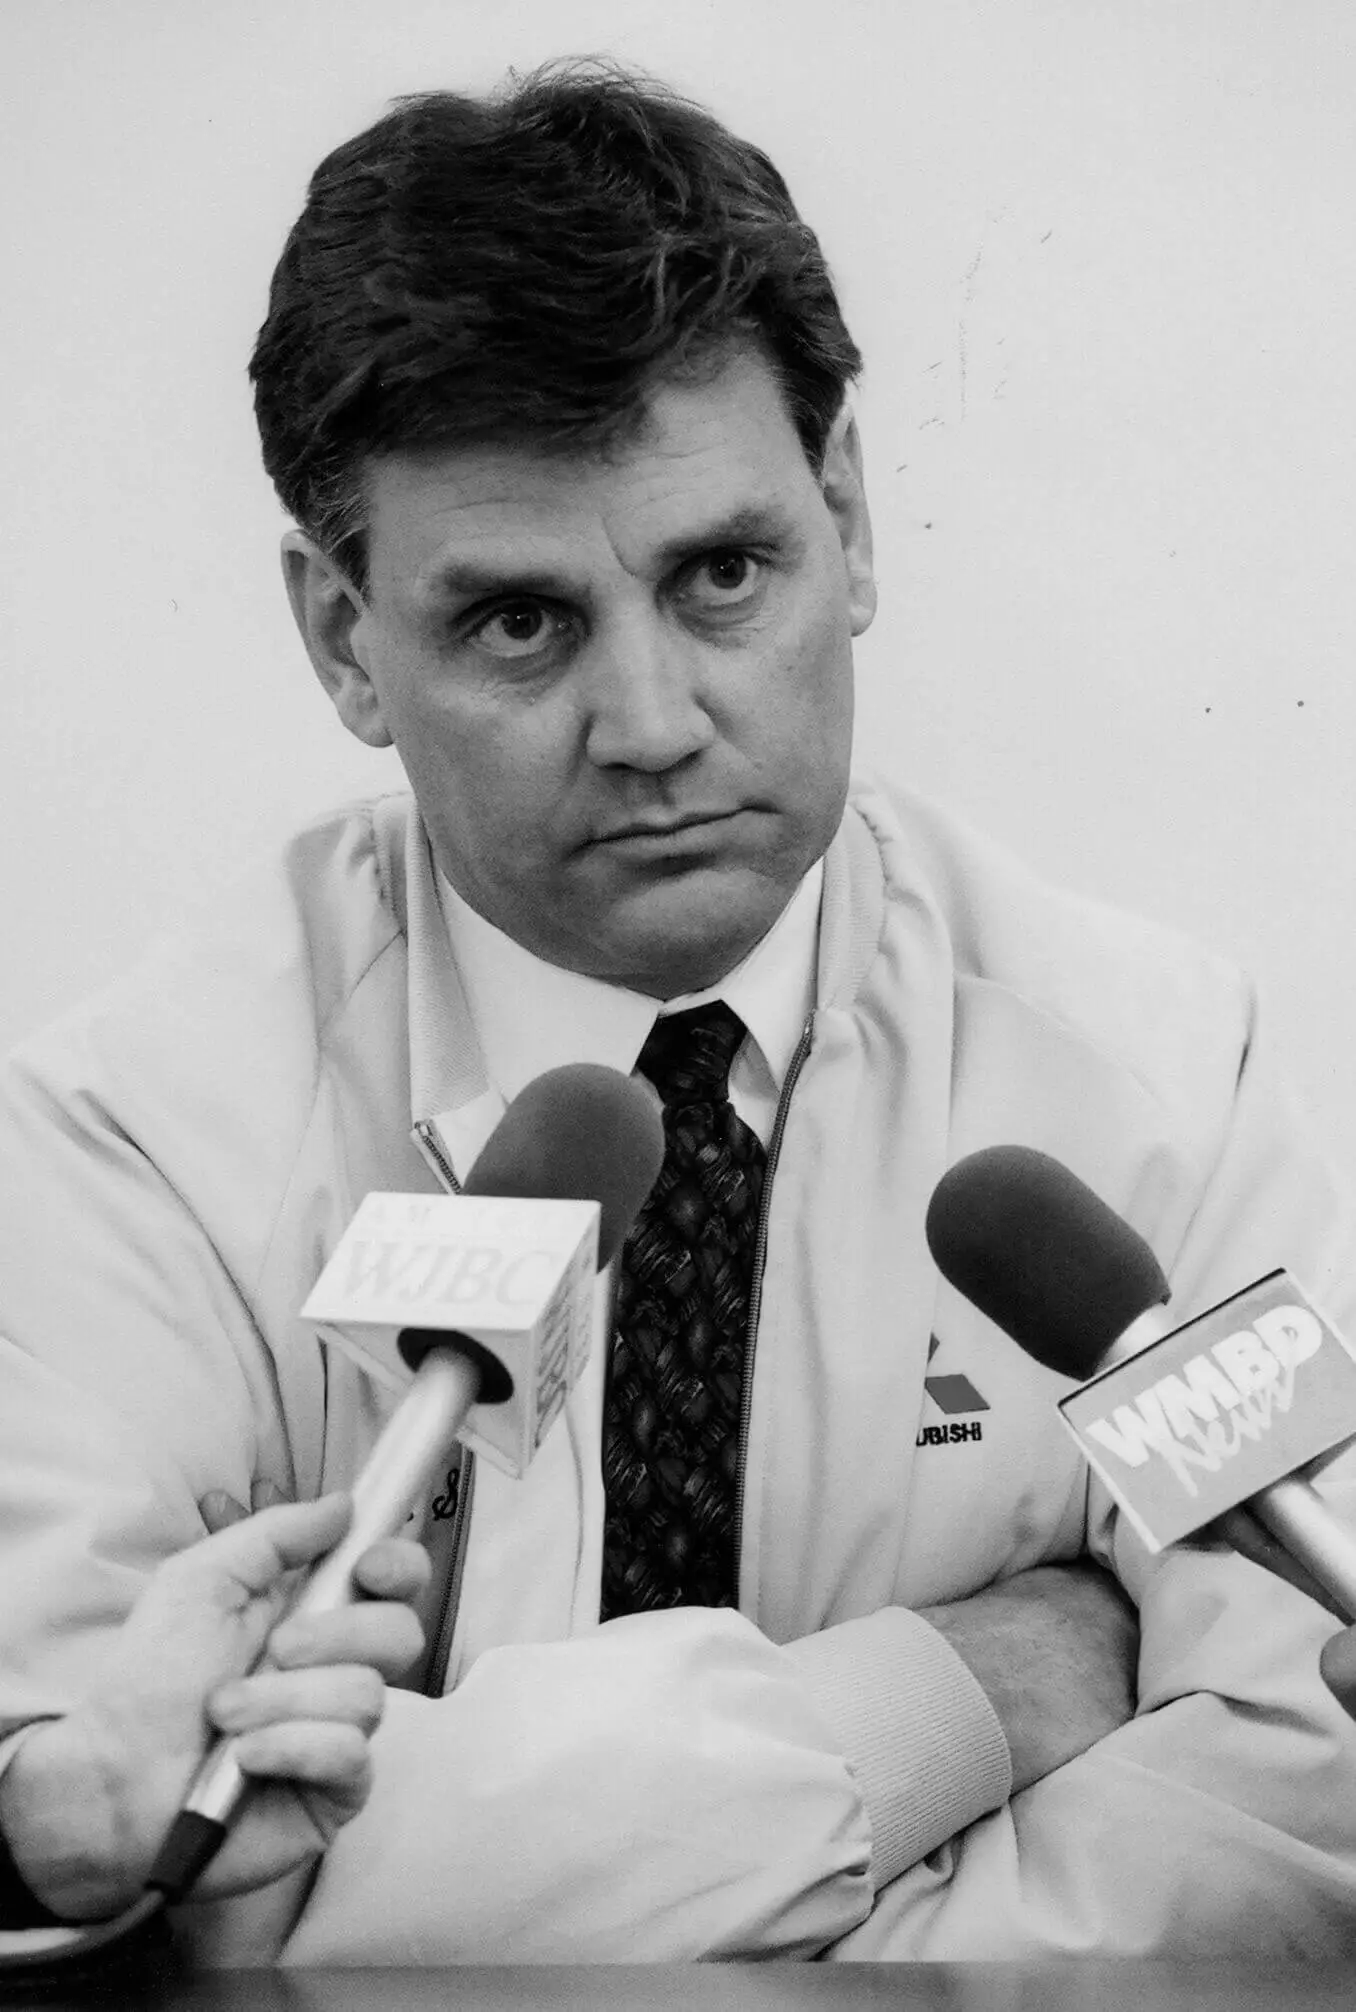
(752,524)
(468,580)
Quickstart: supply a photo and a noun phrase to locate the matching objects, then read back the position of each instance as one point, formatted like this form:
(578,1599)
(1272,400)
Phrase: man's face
(621,684)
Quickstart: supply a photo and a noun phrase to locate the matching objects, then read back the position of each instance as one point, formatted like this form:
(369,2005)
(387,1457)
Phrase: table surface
(1075,1986)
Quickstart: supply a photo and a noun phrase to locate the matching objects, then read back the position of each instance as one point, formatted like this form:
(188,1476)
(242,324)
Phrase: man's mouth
(660,828)
(668,834)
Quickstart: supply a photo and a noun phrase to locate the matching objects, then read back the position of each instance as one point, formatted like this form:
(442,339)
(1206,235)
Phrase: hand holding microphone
(87,1797)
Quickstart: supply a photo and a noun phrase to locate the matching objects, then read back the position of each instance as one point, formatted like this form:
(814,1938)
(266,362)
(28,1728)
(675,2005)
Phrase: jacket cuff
(919,1736)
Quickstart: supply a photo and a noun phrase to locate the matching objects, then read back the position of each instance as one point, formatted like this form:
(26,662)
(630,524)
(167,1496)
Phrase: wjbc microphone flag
(1217,1410)
(513,1276)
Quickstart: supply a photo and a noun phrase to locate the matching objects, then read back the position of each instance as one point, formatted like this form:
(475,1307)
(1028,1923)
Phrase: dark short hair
(526,267)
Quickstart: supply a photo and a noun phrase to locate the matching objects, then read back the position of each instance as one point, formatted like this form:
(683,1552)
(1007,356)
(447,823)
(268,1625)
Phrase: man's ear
(328,609)
(845,493)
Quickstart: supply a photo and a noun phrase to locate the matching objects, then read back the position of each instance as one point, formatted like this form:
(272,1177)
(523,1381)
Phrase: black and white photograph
(677,1114)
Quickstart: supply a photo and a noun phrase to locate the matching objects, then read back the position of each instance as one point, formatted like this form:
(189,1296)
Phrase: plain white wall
(1100,256)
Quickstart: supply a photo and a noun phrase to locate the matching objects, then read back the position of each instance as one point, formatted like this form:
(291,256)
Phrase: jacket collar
(449,1089)
(852,913)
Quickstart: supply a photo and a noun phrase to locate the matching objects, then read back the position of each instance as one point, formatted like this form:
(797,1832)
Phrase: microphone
(1185,1423)
(576,1136)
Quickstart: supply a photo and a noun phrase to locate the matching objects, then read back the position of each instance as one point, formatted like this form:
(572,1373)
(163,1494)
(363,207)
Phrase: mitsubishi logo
(952,1395)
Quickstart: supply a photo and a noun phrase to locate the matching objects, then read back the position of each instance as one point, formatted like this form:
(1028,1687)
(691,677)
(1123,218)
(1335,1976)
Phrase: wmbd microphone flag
(511,1278)
(1218,1410)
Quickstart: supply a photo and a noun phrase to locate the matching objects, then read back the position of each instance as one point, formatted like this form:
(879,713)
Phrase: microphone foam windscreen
(1036,1250)
(579,1133)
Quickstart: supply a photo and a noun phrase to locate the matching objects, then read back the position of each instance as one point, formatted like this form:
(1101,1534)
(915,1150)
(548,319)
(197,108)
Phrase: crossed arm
(87,1797)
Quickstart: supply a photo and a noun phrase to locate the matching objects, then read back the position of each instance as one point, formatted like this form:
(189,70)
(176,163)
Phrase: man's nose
(643,699)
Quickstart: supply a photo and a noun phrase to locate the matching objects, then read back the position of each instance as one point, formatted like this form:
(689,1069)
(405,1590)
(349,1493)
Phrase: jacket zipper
(435,1676)
(431,1146)
(756,1282)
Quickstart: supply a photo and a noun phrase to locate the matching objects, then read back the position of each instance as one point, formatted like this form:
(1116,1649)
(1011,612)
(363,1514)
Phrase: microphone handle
(1303,1524)
(397,1472)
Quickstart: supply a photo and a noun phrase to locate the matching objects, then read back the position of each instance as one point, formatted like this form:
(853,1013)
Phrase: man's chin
(684,938)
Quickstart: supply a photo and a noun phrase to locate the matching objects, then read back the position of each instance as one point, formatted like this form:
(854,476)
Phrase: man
(555,388)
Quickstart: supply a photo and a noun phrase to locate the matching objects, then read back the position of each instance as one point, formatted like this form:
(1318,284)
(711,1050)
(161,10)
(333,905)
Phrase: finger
(241,1563)
(266,1495)
(1338,1667)
(220,1510)
(396,1568)
(347,1693)
(381,1633)
(322,1753)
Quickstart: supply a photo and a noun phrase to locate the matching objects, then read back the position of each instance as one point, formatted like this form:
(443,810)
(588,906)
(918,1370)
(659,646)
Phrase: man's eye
(519,629)
(725,579)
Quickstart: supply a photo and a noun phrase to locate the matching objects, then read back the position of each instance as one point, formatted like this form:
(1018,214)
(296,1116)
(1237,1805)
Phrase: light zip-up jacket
(817,1772)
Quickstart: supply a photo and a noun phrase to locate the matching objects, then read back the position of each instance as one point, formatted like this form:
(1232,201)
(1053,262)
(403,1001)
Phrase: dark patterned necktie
(672,1415)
